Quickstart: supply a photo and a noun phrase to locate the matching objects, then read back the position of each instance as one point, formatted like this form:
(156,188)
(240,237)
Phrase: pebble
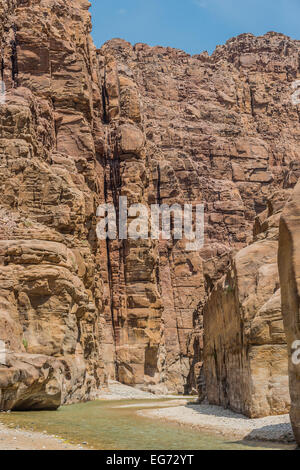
(218,419)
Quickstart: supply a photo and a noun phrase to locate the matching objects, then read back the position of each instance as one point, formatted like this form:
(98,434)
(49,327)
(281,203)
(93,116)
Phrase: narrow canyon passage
(82,127)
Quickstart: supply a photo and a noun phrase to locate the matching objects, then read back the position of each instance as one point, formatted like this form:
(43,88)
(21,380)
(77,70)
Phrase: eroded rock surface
(245,352)
(289,269)
(220,130)
(52,302)
(82,127)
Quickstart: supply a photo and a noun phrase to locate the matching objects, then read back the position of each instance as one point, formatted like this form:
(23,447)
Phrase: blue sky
(191,25)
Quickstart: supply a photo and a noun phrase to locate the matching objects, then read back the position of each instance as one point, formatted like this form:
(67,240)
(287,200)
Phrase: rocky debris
(289,269)
(208,418)
(118,391)
(16,439)
(245,352)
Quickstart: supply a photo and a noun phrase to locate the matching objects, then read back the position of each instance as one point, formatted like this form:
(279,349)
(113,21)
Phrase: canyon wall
(53,270)
(220,130)
(80,128)
(289,266)
(245,351)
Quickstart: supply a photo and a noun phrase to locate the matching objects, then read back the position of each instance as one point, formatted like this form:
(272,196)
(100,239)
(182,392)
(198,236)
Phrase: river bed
(115,425)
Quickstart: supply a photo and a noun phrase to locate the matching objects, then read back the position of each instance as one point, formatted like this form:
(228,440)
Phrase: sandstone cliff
(245,352)
(52,269)
(81,127)
(289,279)
(219,129)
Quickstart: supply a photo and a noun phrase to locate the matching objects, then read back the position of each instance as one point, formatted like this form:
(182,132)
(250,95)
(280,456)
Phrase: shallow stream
(108,425)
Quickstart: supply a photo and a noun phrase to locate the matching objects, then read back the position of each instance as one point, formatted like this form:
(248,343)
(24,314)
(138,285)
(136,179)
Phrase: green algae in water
(105,426)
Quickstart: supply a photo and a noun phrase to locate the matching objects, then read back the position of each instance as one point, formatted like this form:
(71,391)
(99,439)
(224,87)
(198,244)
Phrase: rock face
(80,128)
(220,130)
(245,352)
(155,286)
(289,267)
(52,299)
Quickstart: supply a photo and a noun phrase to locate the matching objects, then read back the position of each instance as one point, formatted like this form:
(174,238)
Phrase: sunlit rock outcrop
(289,268)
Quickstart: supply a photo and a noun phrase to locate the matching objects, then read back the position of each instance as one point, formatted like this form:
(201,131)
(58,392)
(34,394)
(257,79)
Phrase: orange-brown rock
(82,127)
(289,269)
(245,352)
(52,300)
(220,130)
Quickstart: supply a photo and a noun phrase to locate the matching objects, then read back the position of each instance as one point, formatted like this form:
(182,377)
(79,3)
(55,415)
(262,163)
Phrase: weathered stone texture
(82,127)
(289,269)
(52,301)
(245,352)
(219,130)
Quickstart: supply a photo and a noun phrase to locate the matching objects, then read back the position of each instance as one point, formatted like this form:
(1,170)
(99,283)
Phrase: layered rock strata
(289,269)
(80,128)
(245,352)
(220,130)
(52,297)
